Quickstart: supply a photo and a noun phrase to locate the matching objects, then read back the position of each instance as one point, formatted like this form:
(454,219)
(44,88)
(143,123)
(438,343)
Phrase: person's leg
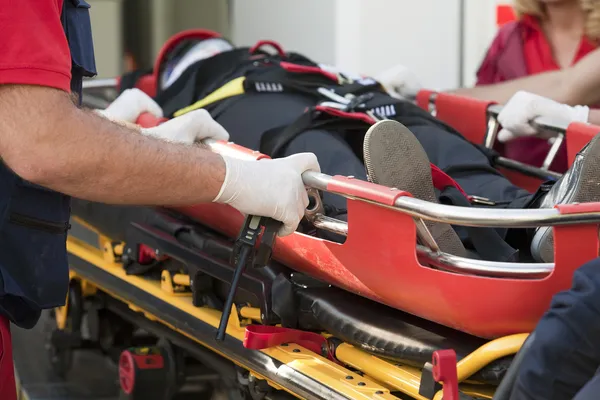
(565,353)
(8,388)
(468,166)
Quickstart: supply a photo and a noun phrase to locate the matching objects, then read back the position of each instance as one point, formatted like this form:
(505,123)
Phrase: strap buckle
(481,200)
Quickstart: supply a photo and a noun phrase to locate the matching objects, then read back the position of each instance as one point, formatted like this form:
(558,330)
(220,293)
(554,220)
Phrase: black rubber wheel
(61,357)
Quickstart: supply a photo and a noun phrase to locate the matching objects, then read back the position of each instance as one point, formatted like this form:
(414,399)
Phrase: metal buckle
(481,200)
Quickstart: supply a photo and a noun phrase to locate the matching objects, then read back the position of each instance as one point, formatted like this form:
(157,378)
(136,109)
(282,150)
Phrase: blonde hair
(590,7)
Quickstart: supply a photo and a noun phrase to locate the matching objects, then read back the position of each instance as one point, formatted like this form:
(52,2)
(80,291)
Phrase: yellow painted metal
(491,351)
(252,313)
(302,360)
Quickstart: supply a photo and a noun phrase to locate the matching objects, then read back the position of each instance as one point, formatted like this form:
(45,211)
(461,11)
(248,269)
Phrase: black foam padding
(390,333)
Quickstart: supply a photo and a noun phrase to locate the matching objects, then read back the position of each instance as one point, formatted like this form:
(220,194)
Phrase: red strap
(307,69)
(8,388)
(343,114)
(441,180)
(260,337)
(271,43)
(444,371)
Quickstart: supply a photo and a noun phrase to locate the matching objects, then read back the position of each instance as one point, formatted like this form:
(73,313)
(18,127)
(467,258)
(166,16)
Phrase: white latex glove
(400,82)
(269,188)
(524,107)
(189,128)
(130,105)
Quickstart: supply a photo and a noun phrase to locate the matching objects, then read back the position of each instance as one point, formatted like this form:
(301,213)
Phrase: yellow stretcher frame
(378,379)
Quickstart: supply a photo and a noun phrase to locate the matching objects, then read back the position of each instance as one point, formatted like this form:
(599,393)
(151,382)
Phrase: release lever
(246,251)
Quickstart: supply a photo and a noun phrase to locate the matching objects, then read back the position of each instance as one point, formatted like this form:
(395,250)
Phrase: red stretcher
(379,259)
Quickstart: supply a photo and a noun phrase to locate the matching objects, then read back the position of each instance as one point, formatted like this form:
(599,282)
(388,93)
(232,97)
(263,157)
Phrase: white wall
(304,26)
(421,34)
(369,36)
(480,29)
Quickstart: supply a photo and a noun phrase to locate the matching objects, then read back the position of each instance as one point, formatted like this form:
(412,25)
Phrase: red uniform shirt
(33,46)
(537,50)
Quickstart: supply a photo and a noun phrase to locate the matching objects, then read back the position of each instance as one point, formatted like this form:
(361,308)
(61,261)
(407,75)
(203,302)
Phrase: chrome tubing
(464,216)
(109,83)
(456,264)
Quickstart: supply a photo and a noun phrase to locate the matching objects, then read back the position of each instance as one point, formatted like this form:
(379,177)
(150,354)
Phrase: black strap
(274,141)
(487,241)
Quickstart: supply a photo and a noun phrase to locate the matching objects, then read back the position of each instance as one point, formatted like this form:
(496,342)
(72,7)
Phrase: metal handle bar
(465,216)
(449,262)
(476,217)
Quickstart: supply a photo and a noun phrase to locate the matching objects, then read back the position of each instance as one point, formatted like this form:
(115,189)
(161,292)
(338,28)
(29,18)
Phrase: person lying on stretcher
(397,153)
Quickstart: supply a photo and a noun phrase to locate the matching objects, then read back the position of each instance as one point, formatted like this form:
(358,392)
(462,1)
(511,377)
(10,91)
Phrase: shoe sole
(395,158)
(586,189)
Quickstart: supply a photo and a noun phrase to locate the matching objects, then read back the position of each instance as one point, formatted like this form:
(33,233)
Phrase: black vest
(34,220)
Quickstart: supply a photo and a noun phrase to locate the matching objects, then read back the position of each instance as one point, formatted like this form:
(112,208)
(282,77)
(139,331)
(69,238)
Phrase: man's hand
(524,107)
(400,82)
(130,105)
(189,128)
(270,188)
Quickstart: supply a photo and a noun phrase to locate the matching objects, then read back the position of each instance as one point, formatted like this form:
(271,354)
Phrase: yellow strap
(230,89)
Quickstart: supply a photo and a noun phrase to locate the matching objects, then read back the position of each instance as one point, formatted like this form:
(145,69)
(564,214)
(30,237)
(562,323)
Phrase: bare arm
(545,84)
(594,117)
(577,85)
(46,140)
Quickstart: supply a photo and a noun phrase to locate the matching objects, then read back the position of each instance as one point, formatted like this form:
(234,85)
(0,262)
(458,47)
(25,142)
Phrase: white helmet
(201,50)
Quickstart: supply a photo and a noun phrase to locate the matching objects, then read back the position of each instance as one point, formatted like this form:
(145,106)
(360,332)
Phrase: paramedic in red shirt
(50,149)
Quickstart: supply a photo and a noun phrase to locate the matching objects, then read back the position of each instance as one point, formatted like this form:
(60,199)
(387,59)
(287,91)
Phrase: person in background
(548,35)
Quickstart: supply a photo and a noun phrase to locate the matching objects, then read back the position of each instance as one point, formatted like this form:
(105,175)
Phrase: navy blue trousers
(563,359)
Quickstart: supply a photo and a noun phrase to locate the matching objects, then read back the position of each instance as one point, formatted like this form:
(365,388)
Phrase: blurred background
(443,41)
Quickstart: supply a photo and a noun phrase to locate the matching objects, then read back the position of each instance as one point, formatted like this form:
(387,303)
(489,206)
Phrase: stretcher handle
(464,216)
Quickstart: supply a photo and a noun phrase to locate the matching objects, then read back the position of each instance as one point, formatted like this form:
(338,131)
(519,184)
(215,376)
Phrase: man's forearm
(84,155)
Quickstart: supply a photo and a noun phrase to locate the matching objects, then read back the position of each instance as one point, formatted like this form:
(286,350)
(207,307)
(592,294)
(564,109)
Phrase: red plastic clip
(147,120)
(444,371)
(260,337)
(271,43)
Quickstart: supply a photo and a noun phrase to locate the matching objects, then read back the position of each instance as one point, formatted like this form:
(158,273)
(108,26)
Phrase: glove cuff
(228,193)
(125,124)
(581,114)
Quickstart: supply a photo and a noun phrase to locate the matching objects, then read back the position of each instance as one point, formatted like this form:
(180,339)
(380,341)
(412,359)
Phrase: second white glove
(400,82)
(516,116)
(189,128)
(130,105)
(269,188)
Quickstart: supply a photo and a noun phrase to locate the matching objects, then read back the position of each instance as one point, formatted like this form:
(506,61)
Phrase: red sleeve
(33,46)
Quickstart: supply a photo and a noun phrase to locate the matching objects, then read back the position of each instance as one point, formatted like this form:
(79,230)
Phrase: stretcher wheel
(61,343)
(145,373)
